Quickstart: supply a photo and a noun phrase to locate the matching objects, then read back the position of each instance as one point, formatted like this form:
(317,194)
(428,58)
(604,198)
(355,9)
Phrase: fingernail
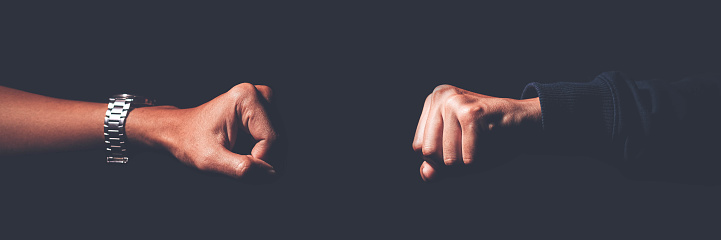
(423,174)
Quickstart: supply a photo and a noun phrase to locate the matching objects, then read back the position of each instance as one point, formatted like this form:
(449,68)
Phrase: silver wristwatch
(115,138)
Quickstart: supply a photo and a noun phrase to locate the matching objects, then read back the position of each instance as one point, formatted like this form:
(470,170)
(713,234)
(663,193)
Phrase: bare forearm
(35,123)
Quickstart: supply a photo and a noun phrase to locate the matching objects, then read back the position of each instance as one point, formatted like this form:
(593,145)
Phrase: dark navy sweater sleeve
(649,129)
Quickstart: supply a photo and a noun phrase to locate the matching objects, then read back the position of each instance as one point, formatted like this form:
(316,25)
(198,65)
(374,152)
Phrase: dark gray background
(350,80)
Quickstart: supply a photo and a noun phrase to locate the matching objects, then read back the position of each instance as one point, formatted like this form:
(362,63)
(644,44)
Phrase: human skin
(200,137)
(454,121)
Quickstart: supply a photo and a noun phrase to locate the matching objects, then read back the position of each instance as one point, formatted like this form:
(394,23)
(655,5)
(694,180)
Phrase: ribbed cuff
(579,114)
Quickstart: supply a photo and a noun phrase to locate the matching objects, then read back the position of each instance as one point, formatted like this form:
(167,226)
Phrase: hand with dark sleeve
(460,131)
(651,130)
(200,137)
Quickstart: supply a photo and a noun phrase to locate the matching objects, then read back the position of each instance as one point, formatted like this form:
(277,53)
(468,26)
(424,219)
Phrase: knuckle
(468,112)
(449,161)
(456,100)
(242,90)
(248,114)
(429,151)
(241,169)
(272,134)
(417,146)
(443,88)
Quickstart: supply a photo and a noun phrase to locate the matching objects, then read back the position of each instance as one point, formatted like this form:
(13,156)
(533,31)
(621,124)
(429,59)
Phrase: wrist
(530,132)
(530,114)
(513,115)
(520,125)
(151,126)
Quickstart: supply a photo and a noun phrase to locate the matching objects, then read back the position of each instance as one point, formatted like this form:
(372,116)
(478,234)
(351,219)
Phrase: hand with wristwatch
(201,137)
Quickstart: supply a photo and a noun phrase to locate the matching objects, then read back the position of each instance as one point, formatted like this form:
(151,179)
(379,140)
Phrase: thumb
(238,166)
(428,172)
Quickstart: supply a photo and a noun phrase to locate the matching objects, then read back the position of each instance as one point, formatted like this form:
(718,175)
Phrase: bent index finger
(237,166)
(253,113)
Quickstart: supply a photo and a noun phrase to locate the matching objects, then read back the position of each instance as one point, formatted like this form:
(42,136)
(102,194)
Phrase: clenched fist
(458,128)
(203,136)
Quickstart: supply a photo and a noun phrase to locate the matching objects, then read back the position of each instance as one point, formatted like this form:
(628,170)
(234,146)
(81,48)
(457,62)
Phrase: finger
(256,121)
(433,135)
(468,143)
(262,149)
(420,129)
(237,166)
(428,172)
(451,139)
(265,91)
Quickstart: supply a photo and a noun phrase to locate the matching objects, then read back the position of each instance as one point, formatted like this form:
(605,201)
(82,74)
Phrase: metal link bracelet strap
(115,138)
